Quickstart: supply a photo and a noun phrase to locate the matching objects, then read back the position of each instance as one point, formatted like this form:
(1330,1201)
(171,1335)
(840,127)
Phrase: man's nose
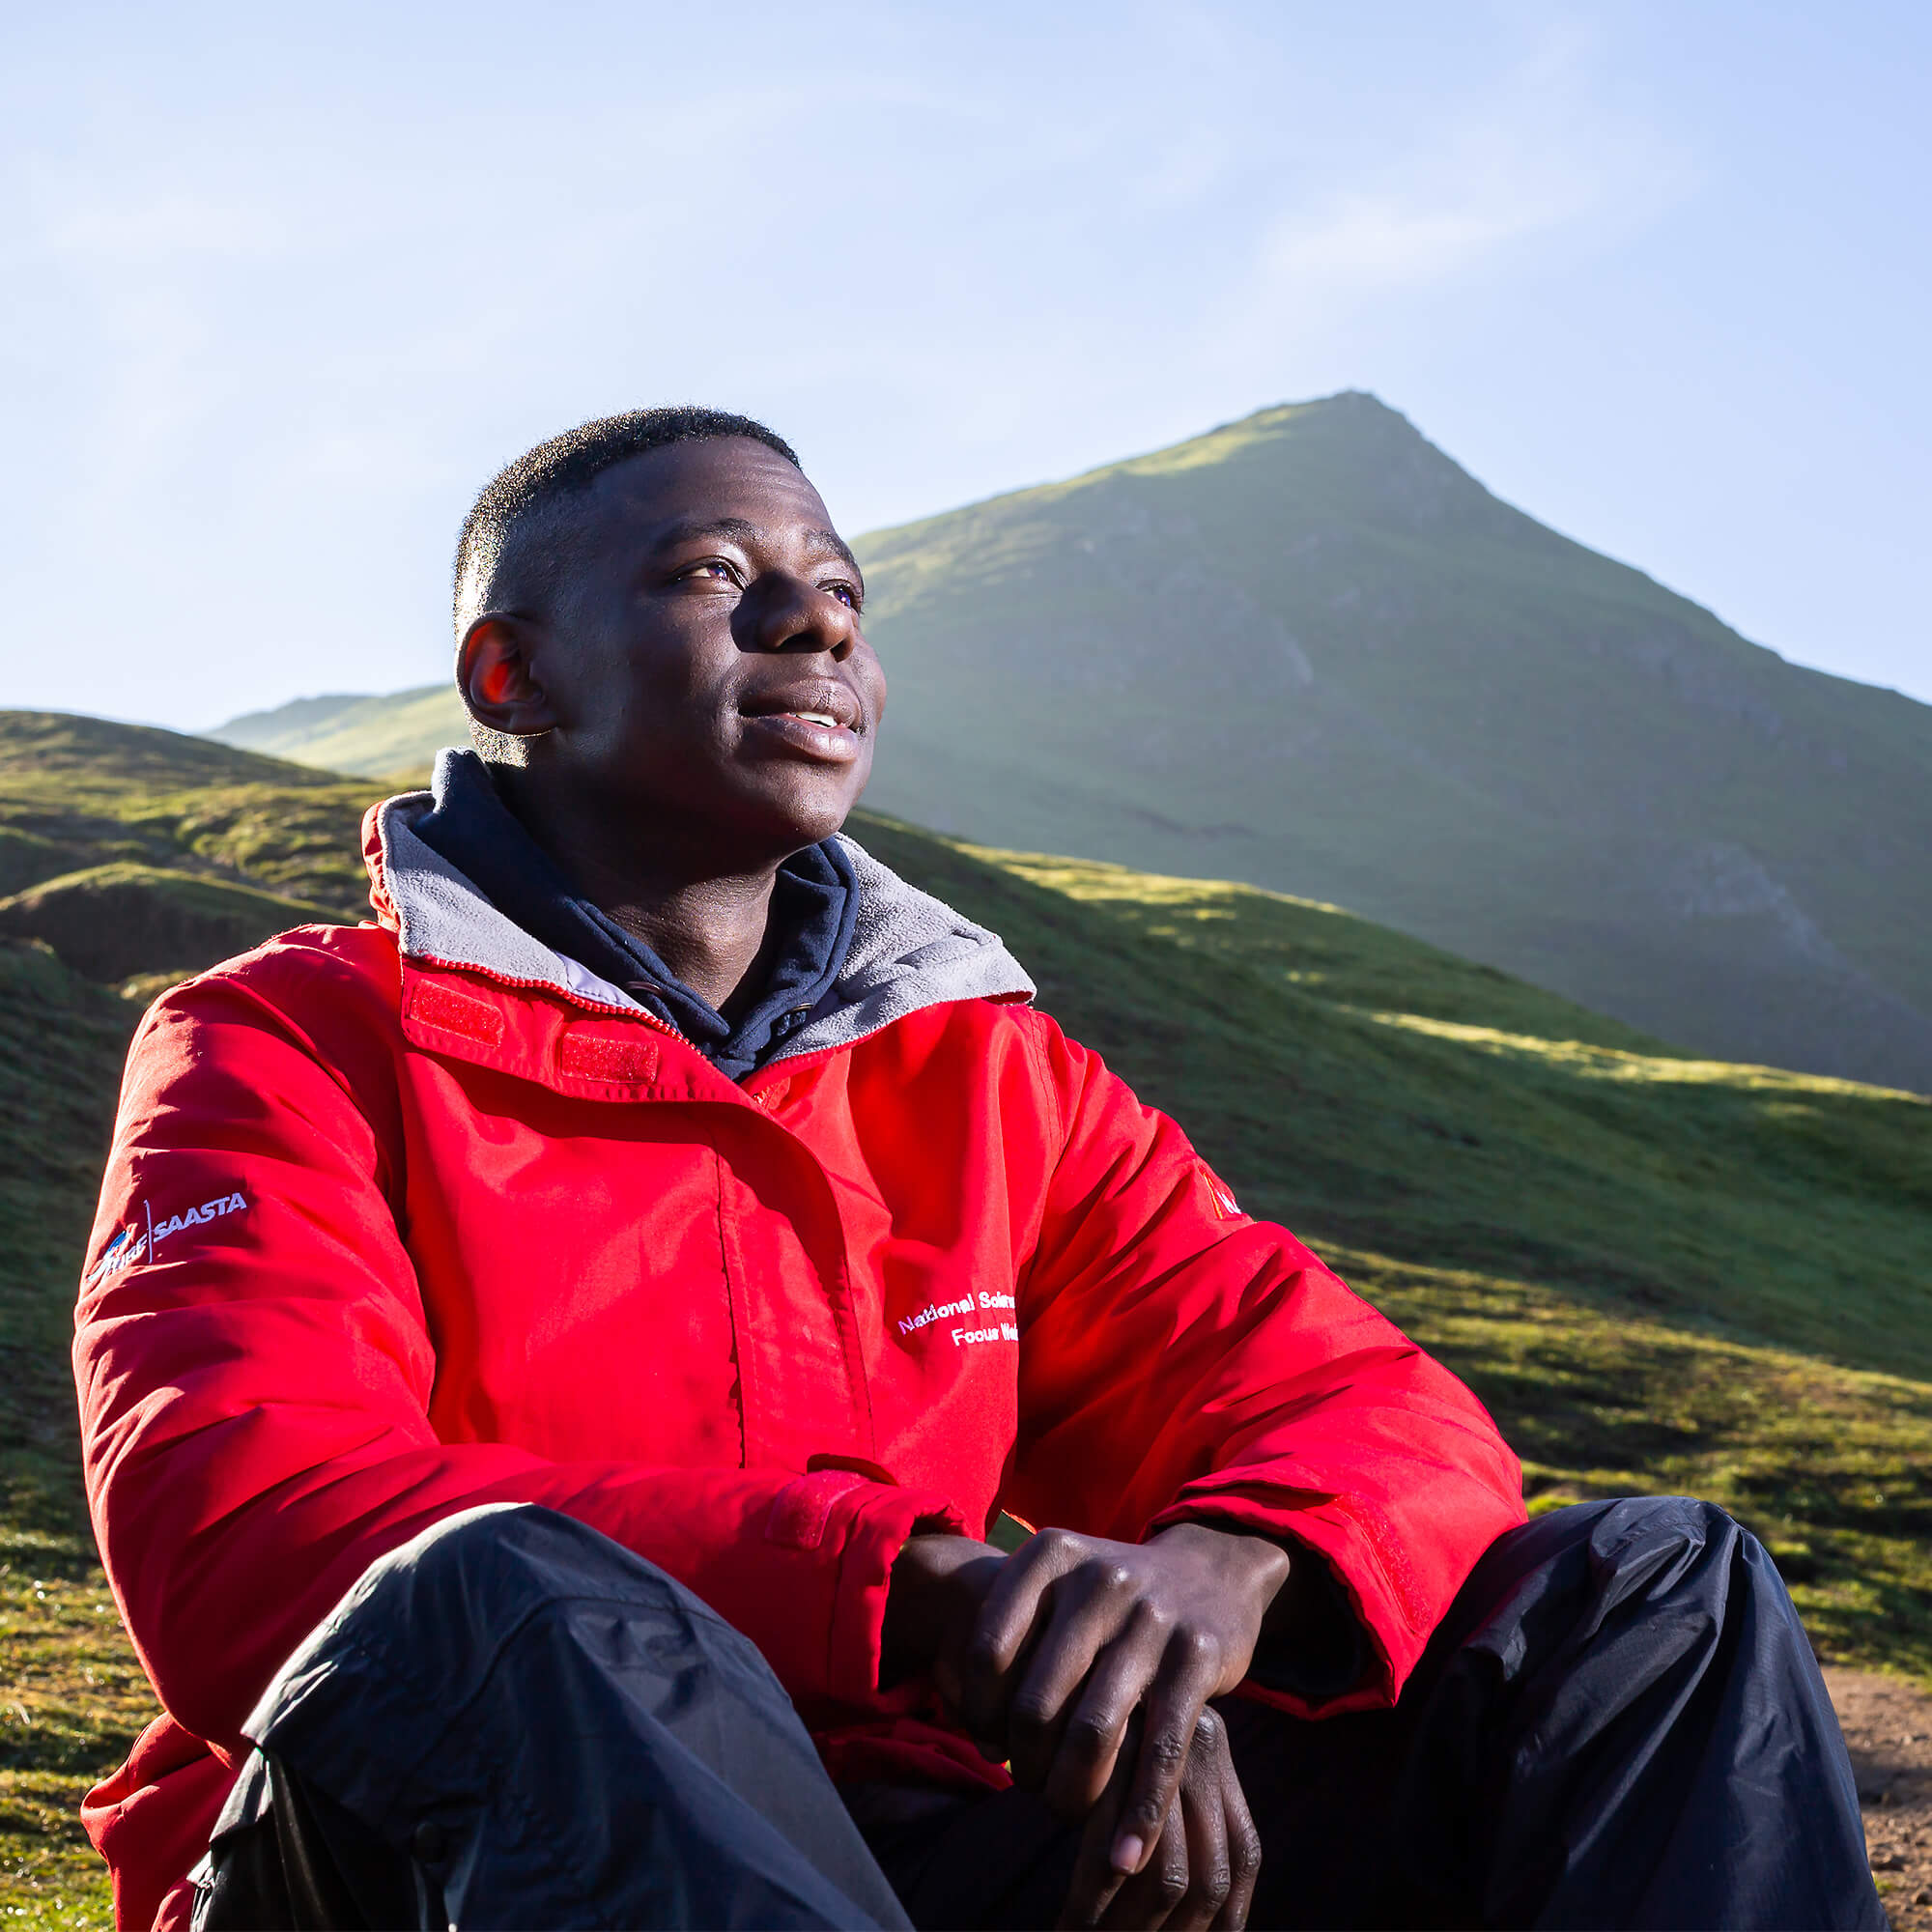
(795,615)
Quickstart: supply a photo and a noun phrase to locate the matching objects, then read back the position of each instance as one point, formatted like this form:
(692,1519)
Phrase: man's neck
(709,920)
(716,935)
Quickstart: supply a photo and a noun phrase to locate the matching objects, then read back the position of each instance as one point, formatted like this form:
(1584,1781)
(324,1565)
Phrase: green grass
(1661,1273)
(73,1696)
(80,792)
(1403,1100)
(121,920)
(74,1700)
(1827,1465)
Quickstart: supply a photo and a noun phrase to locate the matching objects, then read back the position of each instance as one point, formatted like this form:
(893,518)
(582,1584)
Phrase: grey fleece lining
(909,950)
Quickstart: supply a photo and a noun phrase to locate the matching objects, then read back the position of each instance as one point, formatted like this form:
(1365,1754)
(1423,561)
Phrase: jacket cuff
(856,1526)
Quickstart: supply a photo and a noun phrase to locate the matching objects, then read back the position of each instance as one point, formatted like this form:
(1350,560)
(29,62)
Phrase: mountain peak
(1310,650)
(1349,456)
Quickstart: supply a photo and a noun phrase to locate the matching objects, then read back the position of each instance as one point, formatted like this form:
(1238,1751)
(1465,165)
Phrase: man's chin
(786,818)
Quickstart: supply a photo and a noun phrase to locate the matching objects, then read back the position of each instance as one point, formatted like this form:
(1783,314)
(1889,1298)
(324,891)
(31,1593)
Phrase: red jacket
(414,1216)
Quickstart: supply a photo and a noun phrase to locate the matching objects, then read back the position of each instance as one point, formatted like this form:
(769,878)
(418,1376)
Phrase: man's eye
(846,593)
(715,568)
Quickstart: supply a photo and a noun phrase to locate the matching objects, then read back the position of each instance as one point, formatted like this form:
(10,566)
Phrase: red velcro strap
(592,1057)
(801,1510)
(1379,1533)
(439,1006)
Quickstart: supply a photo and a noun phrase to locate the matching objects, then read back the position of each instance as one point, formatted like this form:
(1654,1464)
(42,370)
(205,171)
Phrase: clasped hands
(1089,1666)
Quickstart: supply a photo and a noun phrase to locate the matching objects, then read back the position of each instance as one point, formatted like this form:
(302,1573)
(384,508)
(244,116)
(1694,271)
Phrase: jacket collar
(909,951)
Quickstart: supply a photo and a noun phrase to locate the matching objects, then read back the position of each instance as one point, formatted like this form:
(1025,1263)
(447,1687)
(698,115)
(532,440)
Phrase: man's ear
(499,680)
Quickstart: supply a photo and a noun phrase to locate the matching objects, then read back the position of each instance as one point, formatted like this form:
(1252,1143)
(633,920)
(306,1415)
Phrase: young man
(545,1350)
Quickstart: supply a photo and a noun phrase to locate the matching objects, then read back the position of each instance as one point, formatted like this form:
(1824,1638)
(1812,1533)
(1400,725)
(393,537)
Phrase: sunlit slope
(1363,1086)
(379,737)
(1310,651)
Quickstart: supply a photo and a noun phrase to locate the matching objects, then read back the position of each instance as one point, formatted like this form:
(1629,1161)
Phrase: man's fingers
(977,1673)
(1000,1632)
(1154,1894)
(1175,1702)
(1089,1742)
(1069,1620)
(1245,1849)
(1077,1689)
(1205,1858)
(1203,1814)
(1094,1881)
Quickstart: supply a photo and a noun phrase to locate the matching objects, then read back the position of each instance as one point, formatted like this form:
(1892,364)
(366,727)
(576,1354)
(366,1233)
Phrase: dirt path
(1889,1727)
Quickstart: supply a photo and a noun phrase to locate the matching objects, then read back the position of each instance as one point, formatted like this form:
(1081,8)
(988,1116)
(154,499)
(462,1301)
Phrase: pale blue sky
(282,286)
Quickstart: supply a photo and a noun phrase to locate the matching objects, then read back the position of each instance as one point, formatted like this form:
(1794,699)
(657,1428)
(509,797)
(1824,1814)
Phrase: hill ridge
(1400,693)
(1306,646)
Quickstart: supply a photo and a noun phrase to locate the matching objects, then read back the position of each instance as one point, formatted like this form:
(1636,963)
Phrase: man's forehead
(722,484)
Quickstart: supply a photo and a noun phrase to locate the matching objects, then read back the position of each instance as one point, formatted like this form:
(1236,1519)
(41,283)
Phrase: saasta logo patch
(142,1237)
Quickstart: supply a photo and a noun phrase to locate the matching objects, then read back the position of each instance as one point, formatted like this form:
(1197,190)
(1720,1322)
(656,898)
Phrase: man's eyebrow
(741,531)
(735,528)
(838,548)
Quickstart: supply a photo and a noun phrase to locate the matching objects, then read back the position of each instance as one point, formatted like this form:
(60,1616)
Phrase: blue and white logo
(143,1237)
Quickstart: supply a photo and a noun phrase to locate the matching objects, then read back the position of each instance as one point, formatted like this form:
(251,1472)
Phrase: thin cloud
(1539,161)
(164,229)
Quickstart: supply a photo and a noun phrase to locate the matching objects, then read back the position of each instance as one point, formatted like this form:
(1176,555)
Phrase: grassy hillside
(1401,1099)
(79,792)
(74,1696)
(1660,1272)
(376,736)
(1309,651)
(114,921)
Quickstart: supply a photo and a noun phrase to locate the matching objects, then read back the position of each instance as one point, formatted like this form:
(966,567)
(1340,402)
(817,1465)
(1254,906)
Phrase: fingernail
(1128,1851)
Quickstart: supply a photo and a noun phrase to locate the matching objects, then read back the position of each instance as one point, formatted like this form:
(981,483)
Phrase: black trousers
(514,1722)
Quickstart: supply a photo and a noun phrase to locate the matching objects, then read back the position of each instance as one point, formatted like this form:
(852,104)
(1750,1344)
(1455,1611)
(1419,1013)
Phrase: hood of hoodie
(909,951)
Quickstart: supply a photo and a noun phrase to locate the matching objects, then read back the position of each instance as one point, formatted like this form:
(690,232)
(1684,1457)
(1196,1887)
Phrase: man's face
(704,659)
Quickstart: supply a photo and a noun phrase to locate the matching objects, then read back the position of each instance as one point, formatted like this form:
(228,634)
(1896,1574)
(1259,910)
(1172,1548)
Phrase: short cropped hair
(517,536)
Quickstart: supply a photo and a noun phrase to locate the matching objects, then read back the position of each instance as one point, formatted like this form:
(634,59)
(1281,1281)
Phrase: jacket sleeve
(1180,1360)
(253,1397)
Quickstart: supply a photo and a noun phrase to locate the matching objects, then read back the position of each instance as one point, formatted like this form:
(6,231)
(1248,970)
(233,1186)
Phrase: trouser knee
(515,1710)
(434,1611)
(1650,1639)
(1592,1568)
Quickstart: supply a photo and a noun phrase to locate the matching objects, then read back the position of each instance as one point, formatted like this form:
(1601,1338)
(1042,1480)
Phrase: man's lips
(822,719)
(823,700)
